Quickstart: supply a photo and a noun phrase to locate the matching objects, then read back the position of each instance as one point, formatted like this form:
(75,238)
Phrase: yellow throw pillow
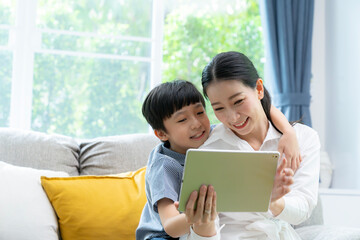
(97,207)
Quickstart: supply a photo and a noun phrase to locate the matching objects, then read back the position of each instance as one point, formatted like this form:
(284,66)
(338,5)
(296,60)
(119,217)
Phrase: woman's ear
(260,88)
(161,134)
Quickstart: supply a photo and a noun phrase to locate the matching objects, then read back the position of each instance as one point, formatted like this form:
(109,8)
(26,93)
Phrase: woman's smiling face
(237,106)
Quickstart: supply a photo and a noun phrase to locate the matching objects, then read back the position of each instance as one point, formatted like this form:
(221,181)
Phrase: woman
(242,104)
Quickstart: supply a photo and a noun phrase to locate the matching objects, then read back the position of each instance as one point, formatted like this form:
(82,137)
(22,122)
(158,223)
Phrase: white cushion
(25,211)
(323,232)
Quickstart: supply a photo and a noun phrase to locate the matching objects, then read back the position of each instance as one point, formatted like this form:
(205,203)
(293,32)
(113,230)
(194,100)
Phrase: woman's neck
(256,138)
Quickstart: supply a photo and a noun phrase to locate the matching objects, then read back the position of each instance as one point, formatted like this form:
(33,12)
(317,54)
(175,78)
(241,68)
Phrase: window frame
(25,42)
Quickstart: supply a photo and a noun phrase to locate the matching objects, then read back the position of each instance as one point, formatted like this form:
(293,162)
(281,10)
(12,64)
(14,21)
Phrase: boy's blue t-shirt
(162,180)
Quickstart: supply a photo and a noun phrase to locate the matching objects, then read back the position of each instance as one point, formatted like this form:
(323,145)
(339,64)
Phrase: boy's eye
(182,120)
(199,113)
(219,108)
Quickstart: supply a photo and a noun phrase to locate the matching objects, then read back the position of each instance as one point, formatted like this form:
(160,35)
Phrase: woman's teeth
(239,125)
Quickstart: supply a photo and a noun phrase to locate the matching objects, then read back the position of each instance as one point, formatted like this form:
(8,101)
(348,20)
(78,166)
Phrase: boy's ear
(161,134)
(260,88)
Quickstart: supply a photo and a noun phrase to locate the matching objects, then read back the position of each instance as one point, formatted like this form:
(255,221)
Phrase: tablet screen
(243,181)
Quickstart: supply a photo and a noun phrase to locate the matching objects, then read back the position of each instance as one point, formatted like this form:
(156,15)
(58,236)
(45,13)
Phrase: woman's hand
(289,146)
(203,217)
(282,182)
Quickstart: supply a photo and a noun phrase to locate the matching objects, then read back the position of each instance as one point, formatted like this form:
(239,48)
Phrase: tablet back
(243,181)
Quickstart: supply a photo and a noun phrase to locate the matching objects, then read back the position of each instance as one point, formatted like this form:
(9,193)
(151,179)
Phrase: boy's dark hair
(167,98)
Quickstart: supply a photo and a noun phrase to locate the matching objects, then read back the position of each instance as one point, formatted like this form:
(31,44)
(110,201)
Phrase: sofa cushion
(321,232)
(25,211)
(316,217)
(39,150)
(98,207)
(114,154)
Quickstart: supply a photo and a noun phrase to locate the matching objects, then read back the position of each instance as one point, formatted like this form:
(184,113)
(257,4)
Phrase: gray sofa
(110,155)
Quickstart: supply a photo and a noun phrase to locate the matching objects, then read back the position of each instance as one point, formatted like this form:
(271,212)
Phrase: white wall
(336,67)
(317,106)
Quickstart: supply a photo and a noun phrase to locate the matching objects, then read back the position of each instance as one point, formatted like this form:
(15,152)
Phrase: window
(82,68)
(7,17)
(195,31)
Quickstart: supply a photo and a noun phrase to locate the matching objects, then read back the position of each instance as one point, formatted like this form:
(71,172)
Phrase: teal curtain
(288,28)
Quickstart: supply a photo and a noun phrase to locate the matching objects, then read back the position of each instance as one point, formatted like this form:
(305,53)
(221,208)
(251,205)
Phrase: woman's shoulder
(306,134)
(302,128)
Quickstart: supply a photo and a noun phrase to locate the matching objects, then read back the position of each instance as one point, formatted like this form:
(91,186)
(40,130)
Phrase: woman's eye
(182,120)
(219,108)
(199,113)
(238,101)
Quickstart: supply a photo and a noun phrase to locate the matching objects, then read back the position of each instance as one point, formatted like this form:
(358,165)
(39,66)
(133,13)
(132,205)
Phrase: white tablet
(243,181)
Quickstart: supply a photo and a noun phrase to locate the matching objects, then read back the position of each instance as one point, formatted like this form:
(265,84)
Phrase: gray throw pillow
(39,150)
(115,154)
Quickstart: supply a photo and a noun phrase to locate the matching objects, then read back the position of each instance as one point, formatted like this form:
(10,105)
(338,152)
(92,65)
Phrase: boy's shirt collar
(175,155)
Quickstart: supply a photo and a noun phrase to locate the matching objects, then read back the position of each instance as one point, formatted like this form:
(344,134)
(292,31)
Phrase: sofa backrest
(98,156)
(115,154)
(39,150)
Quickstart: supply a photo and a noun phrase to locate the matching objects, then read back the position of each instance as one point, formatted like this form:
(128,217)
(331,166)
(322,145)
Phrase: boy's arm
(174,223)
(288,143)
(202,221)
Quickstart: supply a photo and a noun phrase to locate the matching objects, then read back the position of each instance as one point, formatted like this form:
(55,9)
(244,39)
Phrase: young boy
(176,112)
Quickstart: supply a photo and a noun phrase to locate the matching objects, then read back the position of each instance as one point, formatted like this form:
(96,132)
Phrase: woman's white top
(299,202)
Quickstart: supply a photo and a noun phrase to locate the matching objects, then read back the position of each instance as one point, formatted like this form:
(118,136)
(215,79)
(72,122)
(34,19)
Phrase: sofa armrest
(340,207)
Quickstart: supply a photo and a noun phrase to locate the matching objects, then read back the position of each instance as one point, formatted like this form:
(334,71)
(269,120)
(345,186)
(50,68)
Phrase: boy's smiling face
(187,128)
